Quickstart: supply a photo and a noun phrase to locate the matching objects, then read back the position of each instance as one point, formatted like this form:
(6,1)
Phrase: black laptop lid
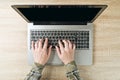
(59,13)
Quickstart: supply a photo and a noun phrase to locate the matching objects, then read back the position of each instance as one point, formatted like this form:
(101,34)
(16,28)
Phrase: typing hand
(41,53)
(66,52)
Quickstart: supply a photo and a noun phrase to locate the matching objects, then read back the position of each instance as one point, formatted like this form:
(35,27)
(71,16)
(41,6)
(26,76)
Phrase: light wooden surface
(13,43)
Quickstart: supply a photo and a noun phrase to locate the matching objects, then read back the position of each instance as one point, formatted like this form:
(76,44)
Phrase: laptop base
(82,57)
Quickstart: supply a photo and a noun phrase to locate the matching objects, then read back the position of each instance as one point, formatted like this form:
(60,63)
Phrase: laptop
(57,22)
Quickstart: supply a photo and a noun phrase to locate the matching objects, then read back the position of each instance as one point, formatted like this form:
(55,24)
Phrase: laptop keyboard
(79,38)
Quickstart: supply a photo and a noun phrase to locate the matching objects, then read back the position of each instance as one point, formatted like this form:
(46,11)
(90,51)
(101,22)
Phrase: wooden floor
(13,43)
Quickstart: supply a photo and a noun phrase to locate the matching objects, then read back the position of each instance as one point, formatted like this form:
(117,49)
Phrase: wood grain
(13,43)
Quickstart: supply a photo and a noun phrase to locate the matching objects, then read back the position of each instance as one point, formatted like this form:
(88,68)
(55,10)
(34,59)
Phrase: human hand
(66,53)
(41,53)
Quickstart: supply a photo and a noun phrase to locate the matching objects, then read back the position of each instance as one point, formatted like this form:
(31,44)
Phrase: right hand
(66,53)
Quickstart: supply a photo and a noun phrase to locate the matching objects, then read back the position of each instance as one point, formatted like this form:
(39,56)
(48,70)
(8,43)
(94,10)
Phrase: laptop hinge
(59,23)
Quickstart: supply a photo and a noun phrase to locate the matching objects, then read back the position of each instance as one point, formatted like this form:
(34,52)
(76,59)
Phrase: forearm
(72,72)
(35,73)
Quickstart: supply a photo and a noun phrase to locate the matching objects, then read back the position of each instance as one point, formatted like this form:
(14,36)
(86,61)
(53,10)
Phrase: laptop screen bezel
(103,7)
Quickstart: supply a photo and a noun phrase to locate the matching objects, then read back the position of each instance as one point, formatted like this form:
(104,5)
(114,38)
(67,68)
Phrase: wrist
(39,62)
(65,63)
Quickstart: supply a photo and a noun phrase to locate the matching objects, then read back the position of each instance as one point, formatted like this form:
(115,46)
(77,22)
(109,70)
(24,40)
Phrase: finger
(70,44)
(58,51)
(60,45)
(45,43)
(74,47)
(49,51)
(65,43)
(40,43)
(33,45)
(36,44)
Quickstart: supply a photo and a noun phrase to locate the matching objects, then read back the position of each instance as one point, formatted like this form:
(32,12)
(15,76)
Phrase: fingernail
(63,40)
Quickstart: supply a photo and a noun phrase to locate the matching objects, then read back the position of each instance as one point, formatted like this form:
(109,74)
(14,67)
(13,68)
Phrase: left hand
(41,53)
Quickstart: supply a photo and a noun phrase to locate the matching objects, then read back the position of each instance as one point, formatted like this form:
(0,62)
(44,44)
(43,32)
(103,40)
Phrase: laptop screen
(61,13)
